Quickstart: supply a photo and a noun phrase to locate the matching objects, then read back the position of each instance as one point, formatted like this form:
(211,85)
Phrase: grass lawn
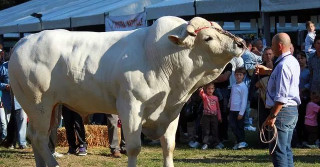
(152,156)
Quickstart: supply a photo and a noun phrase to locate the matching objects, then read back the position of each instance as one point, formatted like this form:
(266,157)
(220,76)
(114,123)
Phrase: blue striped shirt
(6,96)
(283,85)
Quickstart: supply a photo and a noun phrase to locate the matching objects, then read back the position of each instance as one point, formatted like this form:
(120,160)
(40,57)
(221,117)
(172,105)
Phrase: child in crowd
(211,116)
(308,48)
(310,121)
(238,103)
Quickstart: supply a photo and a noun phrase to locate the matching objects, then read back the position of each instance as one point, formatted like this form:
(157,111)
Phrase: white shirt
(308,48)
(236,63)
(239,97)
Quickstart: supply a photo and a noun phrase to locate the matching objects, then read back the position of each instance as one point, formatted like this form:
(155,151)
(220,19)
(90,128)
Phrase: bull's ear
(175,39)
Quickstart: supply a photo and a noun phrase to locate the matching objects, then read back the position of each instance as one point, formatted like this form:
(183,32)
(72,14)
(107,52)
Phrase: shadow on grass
(24,154)
(227,159)
(105,154)
(15,152)
(307,159)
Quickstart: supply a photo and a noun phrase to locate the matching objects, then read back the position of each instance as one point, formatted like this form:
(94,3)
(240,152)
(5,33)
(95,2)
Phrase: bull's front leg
(130,115)
(168,143)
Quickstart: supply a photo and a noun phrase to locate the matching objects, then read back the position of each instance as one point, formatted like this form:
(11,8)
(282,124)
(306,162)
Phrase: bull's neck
(183,72)
(180,71)
(191,72)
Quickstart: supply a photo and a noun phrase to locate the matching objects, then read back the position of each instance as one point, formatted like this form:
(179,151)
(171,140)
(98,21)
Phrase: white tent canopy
(170,8)
(189,7)
(284,5)
(226,6)
(76,13)
(66,13)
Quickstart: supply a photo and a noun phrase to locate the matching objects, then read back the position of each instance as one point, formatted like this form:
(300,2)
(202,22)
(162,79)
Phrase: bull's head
(210,38)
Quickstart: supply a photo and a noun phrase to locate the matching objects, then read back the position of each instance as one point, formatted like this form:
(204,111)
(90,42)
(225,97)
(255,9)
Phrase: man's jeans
(286,121)
(246,115)
(4,116)
(113,136)
(21,120)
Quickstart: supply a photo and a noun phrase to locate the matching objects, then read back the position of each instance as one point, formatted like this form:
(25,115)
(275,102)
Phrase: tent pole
(105,15)
(266,27)
(71,28)
(195,7)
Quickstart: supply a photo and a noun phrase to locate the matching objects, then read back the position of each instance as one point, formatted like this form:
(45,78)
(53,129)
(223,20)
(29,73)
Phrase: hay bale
(62,137)
(96,135)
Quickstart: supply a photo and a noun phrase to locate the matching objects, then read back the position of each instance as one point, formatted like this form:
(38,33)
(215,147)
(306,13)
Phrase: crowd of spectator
(306,134)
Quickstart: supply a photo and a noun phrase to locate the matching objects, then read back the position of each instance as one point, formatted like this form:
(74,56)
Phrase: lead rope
(265,127)
(274,138)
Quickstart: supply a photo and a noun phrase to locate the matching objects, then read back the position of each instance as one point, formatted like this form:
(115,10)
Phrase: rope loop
(274,138)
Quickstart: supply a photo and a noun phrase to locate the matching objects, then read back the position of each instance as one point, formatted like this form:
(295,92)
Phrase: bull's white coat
(142,75)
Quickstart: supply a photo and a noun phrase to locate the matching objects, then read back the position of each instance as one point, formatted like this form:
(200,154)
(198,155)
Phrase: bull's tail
(55,117)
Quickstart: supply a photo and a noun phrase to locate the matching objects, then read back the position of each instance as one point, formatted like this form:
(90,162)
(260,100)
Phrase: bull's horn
(197,23)
(190,30)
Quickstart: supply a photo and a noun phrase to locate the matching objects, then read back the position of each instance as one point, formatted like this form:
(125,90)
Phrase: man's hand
(270,121)
(7,88)
(240,117)
(262,70)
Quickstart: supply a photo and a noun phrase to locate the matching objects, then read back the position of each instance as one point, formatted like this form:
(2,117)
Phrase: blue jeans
(21,120)
(286,121)
(246,115)
(4,122)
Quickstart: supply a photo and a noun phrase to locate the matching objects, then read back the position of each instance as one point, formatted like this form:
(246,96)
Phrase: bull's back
(76,69)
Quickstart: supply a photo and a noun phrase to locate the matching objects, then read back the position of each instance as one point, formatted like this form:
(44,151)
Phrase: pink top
(311,114)
(210,105)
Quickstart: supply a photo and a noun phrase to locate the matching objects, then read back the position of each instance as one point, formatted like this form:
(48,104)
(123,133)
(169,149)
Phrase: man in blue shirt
(19,114)
(282,98)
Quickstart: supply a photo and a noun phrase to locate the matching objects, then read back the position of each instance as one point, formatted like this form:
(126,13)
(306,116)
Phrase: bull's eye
(208,39)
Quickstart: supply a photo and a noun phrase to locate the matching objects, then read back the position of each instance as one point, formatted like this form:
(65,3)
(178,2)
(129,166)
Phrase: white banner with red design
(124,23)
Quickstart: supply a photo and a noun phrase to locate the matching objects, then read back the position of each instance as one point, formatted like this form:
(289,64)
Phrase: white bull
(145,76)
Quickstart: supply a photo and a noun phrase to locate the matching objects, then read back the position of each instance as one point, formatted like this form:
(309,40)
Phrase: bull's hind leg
(39,135)
(39,140)
(39,160)
(168,143)
(131,124)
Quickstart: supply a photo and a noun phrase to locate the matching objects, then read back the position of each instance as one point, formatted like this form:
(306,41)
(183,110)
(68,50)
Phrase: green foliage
(9,3)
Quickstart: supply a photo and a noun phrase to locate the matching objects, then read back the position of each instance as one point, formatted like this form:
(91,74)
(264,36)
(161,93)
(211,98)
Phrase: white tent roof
(186,7)
(283,5)
(75,13)
(170,8)
(226,6)
(66,13)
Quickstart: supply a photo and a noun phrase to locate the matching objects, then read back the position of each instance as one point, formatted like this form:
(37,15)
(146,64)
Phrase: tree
(9,3)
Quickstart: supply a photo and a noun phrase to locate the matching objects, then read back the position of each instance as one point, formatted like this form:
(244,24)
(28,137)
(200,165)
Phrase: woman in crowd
(304,96)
